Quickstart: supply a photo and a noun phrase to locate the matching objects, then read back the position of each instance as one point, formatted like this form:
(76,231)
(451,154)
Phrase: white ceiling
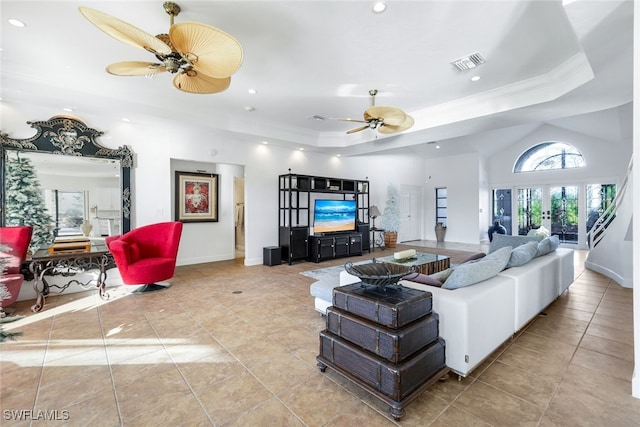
(545,61)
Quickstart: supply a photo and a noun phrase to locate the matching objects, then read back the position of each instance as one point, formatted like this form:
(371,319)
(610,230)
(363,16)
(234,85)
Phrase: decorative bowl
(378,273)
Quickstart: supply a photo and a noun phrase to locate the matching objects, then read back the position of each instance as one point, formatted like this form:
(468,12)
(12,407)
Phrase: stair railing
(597,232)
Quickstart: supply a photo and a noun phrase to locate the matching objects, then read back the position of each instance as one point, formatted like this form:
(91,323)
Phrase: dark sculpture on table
(496,228)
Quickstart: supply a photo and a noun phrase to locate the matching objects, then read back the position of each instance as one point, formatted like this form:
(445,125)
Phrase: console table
(68,264)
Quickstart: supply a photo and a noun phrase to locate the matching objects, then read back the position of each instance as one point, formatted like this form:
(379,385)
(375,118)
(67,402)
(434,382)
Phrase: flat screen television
(332,216)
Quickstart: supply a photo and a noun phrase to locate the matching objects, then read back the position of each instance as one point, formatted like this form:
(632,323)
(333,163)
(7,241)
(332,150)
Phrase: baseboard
(609,273)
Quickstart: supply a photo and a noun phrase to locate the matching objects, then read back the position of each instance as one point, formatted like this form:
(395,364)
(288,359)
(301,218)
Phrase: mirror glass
(83,188)
(75,189)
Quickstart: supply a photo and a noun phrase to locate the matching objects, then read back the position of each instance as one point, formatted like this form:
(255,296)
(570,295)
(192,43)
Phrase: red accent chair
(17,239)
(147,254)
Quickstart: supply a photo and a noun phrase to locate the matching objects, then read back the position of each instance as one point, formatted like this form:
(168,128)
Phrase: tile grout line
(113,381)
(44,361)
(564,374)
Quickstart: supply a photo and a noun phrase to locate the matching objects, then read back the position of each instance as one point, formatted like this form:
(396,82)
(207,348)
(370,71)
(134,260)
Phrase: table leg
(102,277)
(38,273)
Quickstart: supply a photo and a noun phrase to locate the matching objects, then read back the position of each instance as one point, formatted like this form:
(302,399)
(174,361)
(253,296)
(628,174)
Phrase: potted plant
(391,217)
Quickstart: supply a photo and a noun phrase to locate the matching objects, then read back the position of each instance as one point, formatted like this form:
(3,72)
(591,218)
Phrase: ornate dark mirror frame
(68,136)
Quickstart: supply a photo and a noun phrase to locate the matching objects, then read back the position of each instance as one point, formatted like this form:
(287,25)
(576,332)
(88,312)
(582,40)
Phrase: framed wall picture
(196,197)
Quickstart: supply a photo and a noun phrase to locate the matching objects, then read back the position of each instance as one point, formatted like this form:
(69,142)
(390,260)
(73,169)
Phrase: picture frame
(196,197)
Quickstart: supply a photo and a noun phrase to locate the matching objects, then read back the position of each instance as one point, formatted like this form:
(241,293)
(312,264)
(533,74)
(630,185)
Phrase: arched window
(548,156)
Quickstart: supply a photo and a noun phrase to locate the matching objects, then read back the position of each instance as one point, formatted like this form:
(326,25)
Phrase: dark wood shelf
(294,209)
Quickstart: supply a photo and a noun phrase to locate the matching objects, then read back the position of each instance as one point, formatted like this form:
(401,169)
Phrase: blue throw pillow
(476,271)
(502,240)
(548,245)
(523,254)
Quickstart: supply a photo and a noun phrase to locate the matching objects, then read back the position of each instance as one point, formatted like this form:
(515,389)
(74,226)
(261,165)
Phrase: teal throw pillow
(523,254)
(476,271)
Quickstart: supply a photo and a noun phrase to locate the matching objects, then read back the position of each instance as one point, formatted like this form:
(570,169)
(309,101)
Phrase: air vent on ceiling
(469,61)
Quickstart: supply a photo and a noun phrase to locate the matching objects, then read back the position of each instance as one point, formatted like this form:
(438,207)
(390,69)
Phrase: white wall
(605,159)
(461,176)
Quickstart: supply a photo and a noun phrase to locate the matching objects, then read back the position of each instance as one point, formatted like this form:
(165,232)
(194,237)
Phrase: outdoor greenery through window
(441,206)
(549,156)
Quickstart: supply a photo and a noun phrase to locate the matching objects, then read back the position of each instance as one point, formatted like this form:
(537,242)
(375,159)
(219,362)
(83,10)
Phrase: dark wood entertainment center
(296,193)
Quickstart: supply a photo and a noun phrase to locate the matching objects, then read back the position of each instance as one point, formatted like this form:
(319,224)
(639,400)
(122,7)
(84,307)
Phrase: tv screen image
(330,216)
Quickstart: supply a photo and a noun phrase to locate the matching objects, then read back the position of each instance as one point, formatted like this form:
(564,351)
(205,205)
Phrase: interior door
(410,201)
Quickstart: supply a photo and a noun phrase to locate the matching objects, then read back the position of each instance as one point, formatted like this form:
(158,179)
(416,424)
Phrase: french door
(554,207)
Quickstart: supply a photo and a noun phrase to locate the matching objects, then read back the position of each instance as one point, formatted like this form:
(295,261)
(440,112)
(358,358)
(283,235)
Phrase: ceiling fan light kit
(202,57)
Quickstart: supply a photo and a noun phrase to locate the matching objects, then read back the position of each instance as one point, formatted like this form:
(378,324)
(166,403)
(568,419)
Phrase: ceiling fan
(385,119)
(202,57)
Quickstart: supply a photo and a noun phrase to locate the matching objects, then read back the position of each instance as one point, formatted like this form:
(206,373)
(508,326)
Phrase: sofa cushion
(425,279)
(548,245)
(476,271)
(523,254)
(323,289)
(502,240)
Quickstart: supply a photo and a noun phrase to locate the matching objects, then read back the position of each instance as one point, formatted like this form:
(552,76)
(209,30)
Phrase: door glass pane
(599,198)
(529,209)
(501,210)
(564,213)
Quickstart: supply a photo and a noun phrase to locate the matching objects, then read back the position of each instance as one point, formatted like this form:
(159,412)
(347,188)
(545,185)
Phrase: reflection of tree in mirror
(24,202)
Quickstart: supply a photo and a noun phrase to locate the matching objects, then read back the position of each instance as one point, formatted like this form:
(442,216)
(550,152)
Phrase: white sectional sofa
(475,320)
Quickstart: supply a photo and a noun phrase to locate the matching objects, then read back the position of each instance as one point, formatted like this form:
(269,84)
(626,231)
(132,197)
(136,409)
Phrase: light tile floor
(235,345)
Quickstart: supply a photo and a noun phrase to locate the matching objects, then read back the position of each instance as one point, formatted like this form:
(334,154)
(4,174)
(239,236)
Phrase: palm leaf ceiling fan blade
(346,119)
(135,68)
(387,129)
(125,32)
(193,82)
(358,129)
(208,49)
(389,115)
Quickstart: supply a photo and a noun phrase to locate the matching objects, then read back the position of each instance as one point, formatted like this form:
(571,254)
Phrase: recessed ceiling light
(124,119)
(475,78)
(17,23)
(301,148)
(67,109)
(265,142)
(252,91)
(249,109)
(338,155)
(379,7)
(438,147)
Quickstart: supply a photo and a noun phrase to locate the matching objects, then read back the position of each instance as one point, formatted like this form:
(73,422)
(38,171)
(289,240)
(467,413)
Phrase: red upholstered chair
(17,239)
(147,254)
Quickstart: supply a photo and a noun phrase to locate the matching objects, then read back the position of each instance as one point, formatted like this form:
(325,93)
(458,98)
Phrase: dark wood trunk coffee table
(423,262)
